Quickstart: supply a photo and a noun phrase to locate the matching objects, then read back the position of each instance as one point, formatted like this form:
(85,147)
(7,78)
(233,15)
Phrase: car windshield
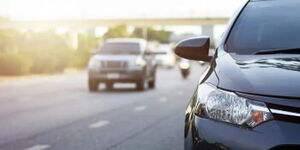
(120,49)
(266,25)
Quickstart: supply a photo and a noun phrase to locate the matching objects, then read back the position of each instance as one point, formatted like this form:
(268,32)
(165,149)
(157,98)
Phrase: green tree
(14,64)
(49,51)
(117,32)
(159,35)
(153,35)
(86,44)
(9,40)
(138,33)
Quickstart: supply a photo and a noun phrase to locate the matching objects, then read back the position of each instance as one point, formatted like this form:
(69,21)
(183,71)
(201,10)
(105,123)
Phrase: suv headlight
(94,64)
(184,65)
(227,107)
(139,62)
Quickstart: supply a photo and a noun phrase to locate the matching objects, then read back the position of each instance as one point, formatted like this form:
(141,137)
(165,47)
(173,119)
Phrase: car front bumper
(205,134)
(117,75)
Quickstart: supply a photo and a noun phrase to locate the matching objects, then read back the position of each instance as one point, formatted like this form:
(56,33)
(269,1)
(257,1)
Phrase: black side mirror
(194,49)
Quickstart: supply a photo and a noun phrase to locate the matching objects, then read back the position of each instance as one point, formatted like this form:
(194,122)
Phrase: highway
(59,113)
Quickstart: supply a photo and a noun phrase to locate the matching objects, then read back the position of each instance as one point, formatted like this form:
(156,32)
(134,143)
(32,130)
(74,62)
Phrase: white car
(122,60)
(168,59)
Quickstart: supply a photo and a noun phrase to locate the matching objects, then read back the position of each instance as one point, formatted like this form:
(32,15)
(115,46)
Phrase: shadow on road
(120,88)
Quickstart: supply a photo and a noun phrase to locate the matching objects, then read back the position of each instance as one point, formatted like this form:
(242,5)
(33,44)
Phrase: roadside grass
(4,78)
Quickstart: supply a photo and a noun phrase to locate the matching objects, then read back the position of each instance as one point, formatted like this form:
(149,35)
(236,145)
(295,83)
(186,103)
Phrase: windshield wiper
(279,51)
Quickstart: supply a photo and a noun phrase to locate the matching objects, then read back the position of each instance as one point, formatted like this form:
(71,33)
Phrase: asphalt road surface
(58,113)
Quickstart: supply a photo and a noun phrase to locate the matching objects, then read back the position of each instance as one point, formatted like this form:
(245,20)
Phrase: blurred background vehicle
(122,60)
(168,59)
(185,67)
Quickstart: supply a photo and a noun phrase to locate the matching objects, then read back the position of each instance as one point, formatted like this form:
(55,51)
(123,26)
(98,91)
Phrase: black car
(249,97)
(122,60)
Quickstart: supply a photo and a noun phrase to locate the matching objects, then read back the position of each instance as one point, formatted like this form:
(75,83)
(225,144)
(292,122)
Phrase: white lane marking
(140,108)
(163,99)
(99,124)
(38,147)
(180,93)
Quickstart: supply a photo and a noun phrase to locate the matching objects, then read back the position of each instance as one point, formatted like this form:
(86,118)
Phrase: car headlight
(94,64)
(184,65)
(228,107)
(139,62)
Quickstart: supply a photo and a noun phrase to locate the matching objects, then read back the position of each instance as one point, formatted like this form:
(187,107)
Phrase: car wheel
(109,86)
(151,84)
(140,85)
(93,85)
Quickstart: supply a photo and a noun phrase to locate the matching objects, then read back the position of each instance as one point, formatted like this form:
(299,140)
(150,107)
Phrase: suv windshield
(265,25)
(120,49)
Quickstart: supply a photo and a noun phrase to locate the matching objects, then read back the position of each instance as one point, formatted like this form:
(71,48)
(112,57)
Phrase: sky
(91,9)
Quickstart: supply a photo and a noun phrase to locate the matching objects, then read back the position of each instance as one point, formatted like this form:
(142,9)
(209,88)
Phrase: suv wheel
(140,85)
(151,84)
(93,85)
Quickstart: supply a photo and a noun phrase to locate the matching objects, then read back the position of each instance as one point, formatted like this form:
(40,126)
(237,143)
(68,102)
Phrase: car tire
(140,85)
(109,86)
(151,84)
(93,85)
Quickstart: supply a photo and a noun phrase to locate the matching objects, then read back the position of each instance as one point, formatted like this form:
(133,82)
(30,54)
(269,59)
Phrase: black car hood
(269,75)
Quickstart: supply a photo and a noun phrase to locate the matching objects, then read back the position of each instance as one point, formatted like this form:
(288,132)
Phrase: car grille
(113,64)
(285,113)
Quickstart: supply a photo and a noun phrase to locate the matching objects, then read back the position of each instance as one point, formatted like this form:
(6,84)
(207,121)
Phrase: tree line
(47,52)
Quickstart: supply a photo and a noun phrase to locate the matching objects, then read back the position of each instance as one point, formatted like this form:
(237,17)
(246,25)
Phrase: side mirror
(194,49)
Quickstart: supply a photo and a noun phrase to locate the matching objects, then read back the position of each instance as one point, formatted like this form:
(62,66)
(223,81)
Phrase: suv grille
(113,64)
(285,113)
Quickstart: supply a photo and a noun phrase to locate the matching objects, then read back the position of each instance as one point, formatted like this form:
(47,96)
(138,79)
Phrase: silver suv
(122,60)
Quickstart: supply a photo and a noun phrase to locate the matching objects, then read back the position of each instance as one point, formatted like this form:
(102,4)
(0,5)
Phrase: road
(58,113)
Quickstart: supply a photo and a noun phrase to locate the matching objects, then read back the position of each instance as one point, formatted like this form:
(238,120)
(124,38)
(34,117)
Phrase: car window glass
(265,25)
